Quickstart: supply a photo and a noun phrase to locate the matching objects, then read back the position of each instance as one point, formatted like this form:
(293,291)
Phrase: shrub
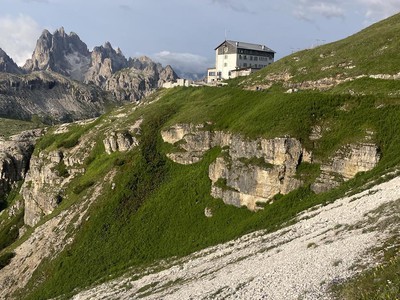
(5,259)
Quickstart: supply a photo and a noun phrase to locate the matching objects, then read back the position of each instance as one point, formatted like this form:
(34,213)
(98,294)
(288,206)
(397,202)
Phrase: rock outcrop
(49,174)
(7,65)
(119,141)
(249,172)
(105,61)
(15,155)
(345,164)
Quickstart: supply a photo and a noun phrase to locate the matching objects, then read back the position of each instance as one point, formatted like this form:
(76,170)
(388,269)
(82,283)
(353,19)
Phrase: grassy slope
(157,209)
(374,50)
(10,127)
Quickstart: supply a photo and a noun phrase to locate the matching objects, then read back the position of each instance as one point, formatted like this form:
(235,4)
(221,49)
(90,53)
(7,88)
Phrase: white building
(233,59)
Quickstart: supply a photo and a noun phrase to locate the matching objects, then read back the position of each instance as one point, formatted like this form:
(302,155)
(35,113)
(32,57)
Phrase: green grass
(156,210)
(374,50)
(10,127)
(379,283)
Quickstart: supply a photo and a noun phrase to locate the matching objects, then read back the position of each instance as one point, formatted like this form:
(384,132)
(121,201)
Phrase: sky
(184,33)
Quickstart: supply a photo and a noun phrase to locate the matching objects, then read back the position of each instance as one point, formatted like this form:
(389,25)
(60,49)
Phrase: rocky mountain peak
(67,55)
(60,32)
(107,45)
(61,53)
(7,65)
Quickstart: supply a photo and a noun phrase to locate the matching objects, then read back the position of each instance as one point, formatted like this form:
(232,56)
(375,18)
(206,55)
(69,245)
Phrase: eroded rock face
(346,163)
(119,141)
(249,171)
(141,78)
(60,52)
(15,155)
(253,171)
(48,175)
(105,61)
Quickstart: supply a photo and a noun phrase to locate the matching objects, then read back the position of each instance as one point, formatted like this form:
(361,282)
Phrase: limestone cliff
(248,171)
(254,171)
(345,164)
(49,174)
(15,155)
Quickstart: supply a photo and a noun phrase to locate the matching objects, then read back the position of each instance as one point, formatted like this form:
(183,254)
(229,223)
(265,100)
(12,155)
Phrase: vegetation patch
(9,127)
(223,184)
(256,161)
(9,231)
(5,259)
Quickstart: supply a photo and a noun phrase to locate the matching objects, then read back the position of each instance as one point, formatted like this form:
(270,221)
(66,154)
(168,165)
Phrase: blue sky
(184,33)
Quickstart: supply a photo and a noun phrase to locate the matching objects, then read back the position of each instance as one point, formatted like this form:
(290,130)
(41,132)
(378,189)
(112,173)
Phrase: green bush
(5,259)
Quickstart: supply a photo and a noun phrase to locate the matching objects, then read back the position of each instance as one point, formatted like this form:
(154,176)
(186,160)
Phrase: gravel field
(300,261)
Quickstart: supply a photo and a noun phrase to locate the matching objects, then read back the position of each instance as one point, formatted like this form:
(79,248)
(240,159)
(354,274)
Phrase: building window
(251,57)
(219,74)
(244,65)
(211,74)
(245,57)
(240,56)
(255,58)
(225,64)
(226,56)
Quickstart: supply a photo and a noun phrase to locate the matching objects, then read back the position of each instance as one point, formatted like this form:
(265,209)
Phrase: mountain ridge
(61,55)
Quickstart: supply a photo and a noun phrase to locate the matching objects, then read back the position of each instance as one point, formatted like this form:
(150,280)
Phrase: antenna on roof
(225,35)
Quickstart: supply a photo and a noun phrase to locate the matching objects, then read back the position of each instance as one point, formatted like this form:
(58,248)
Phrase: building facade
(234,59)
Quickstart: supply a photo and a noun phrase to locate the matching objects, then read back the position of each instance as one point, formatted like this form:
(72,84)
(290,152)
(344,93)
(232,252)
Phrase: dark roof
(248,46)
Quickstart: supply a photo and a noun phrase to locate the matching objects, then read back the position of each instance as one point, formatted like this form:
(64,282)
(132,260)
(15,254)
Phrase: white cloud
(18,35)
(379,9)
(236,5)
(374,9)
(183,63)
(310,9)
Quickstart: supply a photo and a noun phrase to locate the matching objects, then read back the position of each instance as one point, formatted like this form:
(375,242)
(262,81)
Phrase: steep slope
(7,65)
(187,168)
(51,97)
(371,53)
(60,52)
